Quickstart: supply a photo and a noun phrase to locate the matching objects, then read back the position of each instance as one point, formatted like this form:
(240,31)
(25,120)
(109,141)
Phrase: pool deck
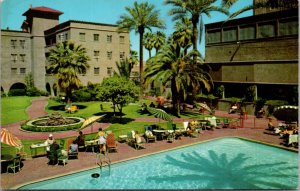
(37,168)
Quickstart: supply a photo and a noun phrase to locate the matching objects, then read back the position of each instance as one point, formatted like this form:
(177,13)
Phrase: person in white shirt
(49,142)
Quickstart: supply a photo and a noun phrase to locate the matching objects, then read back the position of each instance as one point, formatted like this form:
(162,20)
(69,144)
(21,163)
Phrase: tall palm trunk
(175,98)
(141,32)
(195,36)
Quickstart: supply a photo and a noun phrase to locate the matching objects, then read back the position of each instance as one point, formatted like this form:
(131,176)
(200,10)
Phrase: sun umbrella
(90,121)
(286,113)
(204,106)
(160,114)
(9,139)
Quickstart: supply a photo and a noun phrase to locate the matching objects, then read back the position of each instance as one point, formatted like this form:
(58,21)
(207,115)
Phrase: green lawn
(13,109)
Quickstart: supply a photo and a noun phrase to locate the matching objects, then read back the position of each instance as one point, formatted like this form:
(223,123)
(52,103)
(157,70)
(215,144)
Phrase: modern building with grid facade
(259,51)
(26,51)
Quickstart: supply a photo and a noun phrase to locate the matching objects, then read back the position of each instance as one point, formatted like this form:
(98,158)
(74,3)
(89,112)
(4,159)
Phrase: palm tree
(133,58)
(195,10)
(140,17)
(124,67)
(183,33)
(67,60)
(149,42)
(278,4)
(159,40)
(170,65)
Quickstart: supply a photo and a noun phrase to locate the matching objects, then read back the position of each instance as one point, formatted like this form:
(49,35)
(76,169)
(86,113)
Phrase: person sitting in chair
(73,147)
(80,139)
(233,108)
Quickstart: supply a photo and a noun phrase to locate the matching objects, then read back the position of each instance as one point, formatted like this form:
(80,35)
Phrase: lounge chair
(149,137)
(134,140)
(138,144)
(111,143)
(71,154)
(16,164)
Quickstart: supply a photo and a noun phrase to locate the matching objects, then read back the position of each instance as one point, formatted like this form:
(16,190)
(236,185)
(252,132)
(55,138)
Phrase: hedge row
(50,128)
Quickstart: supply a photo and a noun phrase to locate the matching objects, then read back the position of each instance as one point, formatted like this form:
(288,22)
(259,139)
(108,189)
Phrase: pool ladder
(103,159)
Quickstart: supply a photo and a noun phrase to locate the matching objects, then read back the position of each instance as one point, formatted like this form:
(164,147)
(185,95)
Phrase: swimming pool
(228,163)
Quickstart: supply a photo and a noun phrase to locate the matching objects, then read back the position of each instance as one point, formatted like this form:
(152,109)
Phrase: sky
(100,11)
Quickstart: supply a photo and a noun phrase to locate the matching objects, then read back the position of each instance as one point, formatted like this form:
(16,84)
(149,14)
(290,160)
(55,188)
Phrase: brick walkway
(37,168)
(37,109)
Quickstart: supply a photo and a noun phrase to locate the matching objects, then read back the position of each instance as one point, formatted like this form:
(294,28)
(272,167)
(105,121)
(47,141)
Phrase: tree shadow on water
(214,169)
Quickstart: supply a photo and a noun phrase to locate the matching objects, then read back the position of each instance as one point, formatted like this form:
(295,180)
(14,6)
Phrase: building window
(96,37)
(14,57)
(213,37)
(96,52)
(22,70)
(109,71)
(229,35)
(109,38)
(122,39)
(82,36)
(96,70)
(13,70)
(13,43)
(288,28)
(122,55)
(22,43)
(66,36)
(247,32)
(266,30)
(61,37)
(22,57)
(109,55)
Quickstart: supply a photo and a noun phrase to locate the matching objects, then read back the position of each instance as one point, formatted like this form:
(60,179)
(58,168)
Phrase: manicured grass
(15,105)
(13,109)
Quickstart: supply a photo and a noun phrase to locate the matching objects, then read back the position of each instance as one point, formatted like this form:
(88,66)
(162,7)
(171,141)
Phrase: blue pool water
(228,163)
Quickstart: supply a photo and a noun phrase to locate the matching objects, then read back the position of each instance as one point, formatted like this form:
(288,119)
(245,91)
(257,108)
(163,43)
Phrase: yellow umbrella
(9,139)
(90,120)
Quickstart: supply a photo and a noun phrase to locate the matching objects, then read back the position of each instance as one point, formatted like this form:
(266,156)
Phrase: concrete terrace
(37,168)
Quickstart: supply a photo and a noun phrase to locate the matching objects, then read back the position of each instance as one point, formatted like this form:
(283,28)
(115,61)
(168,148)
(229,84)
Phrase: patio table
(91,144)
(160,134)
(6,158)
(35,147)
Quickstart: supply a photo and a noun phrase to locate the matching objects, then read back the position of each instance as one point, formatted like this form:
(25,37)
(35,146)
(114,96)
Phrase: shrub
(274,103)
(50,128)
(32,91)
(17,92)
(258,104)
(81,96)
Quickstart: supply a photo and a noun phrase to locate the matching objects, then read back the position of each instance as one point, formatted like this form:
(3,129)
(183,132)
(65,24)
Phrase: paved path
(37,109)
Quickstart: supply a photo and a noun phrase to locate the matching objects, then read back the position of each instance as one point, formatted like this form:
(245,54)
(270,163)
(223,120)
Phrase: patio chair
(16,164)
(138,144)
(71,154)
(134,140)
(62,158)
(219,124)
(225,123)
(20,151)
(149,137)
(111,143)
